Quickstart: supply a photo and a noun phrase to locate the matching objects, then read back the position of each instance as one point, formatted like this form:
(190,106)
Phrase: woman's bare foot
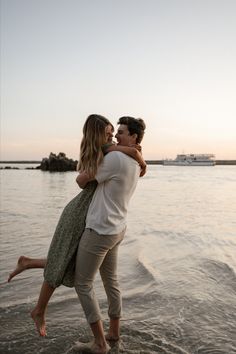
(22,264)
(39,320)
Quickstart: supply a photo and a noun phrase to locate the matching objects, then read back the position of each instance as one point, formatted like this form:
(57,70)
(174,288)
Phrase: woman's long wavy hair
(94,136)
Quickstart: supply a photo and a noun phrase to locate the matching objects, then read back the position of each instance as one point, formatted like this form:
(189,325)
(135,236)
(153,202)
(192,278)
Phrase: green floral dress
(61,259)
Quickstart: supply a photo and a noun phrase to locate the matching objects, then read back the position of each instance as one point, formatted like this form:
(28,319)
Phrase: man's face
(123,136)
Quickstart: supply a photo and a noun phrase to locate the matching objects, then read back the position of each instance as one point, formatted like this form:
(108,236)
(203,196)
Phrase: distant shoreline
(149,162)
(21,162)
(218,162)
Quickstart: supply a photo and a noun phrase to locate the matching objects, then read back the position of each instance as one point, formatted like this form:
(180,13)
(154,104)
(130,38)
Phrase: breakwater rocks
(58,163)
(53,163)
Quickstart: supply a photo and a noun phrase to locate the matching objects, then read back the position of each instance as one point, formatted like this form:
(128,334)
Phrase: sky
(170,62)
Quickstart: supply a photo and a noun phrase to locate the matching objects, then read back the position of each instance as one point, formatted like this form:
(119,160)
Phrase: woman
(59,267)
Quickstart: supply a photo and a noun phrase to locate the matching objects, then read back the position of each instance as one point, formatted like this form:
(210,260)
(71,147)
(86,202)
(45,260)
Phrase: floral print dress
(60,267)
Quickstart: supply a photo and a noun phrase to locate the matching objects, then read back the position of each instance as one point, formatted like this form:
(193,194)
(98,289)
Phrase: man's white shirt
(117,178)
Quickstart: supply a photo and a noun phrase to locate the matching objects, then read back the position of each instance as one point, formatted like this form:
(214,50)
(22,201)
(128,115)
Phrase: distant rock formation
(58,163)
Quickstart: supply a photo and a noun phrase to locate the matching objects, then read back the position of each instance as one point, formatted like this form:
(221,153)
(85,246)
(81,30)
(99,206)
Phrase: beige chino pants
(98,252)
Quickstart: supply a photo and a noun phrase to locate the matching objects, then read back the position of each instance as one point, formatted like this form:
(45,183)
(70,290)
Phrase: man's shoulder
(120,156)
(112,160)
(115,154)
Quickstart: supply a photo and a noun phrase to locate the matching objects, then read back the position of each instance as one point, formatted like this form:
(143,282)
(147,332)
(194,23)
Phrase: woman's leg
(38,313)
(27,263)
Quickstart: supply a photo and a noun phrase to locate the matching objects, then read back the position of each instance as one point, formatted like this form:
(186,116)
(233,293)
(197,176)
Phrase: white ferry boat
(191,160)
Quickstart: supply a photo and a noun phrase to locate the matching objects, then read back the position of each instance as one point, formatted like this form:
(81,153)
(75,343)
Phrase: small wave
(146,268)
(219,271)
(144,341)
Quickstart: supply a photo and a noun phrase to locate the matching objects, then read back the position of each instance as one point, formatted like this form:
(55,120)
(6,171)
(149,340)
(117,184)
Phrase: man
(117,178)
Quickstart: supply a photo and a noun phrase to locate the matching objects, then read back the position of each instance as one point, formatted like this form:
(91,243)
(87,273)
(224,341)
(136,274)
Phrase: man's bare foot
(22,264)
(39,320)
(112,338)
(113,334)
(92,348)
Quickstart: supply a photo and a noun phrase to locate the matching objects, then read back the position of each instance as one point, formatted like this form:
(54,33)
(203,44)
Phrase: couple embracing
(93,225)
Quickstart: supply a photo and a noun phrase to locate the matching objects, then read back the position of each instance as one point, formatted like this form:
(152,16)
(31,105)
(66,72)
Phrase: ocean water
(177,264)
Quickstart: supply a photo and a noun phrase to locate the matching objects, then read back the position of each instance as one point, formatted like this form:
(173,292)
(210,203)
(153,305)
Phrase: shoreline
(149,162)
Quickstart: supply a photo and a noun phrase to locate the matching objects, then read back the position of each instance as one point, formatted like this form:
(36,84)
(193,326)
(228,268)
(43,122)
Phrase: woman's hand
(142,164)
(139,158)
(82,179)
(143,169)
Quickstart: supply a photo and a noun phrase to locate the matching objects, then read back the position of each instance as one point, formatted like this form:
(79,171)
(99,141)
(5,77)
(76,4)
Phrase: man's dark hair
(135,126)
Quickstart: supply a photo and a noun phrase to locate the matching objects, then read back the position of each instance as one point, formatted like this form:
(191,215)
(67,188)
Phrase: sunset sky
(171,62)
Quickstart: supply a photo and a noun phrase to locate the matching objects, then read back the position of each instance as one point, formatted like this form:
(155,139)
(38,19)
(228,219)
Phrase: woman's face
(109,130)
